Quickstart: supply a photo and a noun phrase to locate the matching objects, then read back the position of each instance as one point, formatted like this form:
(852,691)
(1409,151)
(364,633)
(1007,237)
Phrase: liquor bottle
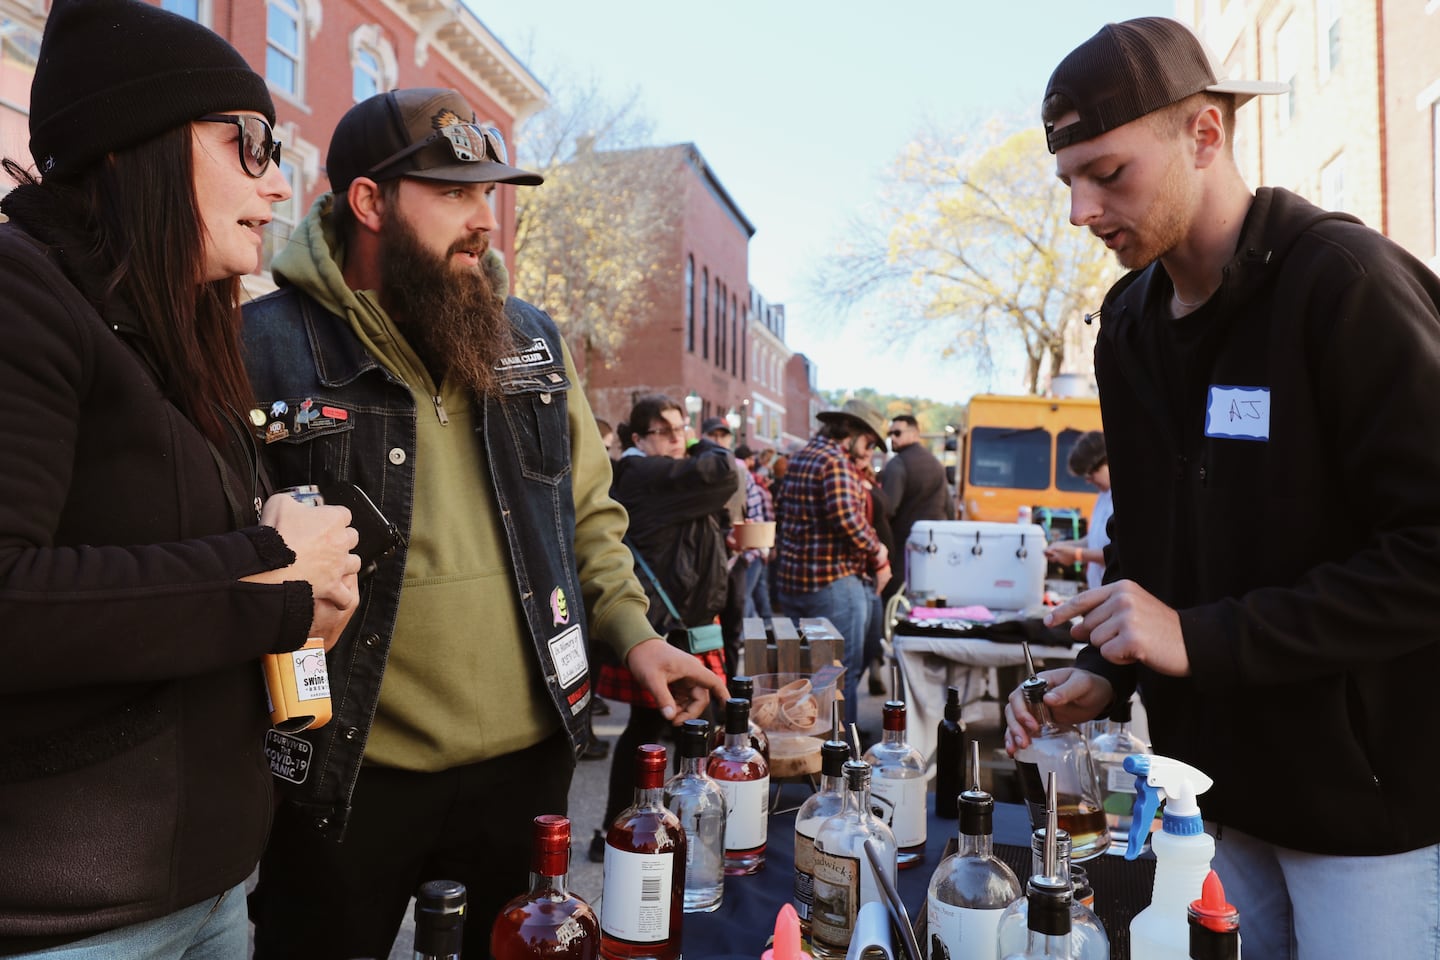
(1060,749)
(844,878)
(971,888)
(699,803)
(643,890)
(897,785)
(439,920)
(744,776)
(817,808)
(950,758)
(549,922)
(1048,899)
(1088,939)
(1109,748)
(744,688)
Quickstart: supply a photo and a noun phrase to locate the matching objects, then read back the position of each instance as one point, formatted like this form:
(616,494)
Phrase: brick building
(709,333)
(1360,129)
(319,59)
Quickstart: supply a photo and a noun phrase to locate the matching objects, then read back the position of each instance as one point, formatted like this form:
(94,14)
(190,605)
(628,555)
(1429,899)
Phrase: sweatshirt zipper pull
(440,410)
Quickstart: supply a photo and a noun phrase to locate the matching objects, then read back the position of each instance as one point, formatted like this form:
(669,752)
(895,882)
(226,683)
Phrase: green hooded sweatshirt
(463,682)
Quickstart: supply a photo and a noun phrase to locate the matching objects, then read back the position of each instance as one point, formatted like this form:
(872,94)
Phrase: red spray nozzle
(1211,910)
(786,945)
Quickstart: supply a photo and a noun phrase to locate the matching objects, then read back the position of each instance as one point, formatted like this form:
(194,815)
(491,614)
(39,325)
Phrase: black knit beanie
(115,73)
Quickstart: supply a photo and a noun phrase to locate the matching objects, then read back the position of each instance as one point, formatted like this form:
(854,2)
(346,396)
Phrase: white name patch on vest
(1238,413)
(567,649)
(537,355)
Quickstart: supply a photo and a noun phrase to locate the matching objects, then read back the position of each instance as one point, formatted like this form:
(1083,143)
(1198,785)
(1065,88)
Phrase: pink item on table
(974,614)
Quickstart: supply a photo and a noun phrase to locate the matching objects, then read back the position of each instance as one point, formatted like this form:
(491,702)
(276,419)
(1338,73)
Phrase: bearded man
(391,358)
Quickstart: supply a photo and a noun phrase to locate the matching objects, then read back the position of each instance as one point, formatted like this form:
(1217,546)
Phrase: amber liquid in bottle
(643,904)
(549,921)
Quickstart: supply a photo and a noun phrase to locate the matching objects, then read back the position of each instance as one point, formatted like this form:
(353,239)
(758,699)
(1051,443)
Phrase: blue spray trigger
(1147,801)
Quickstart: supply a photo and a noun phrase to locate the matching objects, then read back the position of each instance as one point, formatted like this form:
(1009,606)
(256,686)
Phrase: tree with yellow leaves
(974,233)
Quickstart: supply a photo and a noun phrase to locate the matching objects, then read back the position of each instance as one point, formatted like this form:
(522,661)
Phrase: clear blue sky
(799,105)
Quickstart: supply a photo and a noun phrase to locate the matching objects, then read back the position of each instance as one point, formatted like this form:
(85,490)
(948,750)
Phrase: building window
(373,67)
(705,312)
(190,9)
(1332,184)
(1287,57)
(734,333)
(1328,24)
(719,323)
(284,40)
(745,343)
(690,304)
(284,216)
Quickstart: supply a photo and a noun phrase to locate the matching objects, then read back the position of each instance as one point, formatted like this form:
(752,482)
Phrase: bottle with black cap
(820,806)
(1214,924)
(1049,900)
(950,758)
(971,888)
(743,688)
(439,920)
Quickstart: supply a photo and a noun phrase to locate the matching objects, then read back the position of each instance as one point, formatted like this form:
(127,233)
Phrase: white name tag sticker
(568,651)
(1238,413)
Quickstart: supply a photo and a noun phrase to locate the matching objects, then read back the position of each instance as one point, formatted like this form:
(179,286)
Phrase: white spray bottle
(1182,853)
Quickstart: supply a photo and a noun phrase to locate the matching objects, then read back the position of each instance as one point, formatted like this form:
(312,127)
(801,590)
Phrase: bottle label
(962,933)
(747,812)
(836,899)
(900,802)
(804,873)
(312,680)
(1118,779)
(636,894)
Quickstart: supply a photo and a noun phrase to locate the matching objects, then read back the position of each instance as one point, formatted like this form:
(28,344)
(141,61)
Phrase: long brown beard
(452,318)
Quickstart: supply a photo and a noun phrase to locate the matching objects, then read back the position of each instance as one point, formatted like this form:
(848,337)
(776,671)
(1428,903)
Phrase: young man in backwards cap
(1265,374)
(392,358)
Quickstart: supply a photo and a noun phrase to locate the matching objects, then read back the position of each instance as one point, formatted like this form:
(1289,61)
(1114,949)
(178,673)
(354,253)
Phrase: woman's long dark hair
(143,217)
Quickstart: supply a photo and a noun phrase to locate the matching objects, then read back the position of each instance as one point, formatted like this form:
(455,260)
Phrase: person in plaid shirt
(828,553)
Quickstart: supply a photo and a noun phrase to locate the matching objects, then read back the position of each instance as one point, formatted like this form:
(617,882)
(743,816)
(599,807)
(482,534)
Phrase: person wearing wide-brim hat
(828,553)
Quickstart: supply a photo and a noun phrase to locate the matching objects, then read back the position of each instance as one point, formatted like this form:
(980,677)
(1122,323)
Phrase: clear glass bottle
(643,892)
(1109,748)
(699,803)
(950,757)
(1048,896)
(1088,940)
(817,808)
(897,786)
(743,687)
(1060,749)
(844,878)
(971,888)
(439,920)
(549,922)
(744,776)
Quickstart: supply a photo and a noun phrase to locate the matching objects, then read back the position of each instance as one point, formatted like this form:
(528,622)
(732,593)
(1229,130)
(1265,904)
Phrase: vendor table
(929,664)
(746,917)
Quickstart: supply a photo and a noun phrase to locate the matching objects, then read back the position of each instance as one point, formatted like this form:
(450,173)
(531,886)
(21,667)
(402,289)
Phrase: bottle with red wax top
(549,921)
(643,898)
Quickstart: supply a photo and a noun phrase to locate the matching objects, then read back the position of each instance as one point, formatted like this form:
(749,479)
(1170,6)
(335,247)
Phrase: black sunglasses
(257,144)
(469,142)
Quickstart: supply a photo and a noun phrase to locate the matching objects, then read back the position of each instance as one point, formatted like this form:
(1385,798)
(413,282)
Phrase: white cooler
(995,565)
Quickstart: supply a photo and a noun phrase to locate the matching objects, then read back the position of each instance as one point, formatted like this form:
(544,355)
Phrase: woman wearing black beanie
(143,571)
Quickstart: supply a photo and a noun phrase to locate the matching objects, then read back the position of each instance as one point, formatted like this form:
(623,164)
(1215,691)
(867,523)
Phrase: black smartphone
(378,536)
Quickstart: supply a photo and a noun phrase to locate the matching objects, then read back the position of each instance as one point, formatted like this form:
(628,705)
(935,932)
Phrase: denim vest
(359,425)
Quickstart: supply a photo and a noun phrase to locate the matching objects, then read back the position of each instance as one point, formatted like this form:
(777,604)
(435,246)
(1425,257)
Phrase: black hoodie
(1303,556)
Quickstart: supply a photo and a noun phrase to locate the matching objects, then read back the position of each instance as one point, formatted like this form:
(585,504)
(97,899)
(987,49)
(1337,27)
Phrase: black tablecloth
(746,918)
